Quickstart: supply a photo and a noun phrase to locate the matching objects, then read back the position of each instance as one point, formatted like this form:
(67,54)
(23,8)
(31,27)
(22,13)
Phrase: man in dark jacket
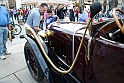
(113,4)
(60,13)
(72,14)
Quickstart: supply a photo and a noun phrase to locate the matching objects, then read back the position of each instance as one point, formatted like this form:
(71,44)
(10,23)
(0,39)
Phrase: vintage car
(72,52)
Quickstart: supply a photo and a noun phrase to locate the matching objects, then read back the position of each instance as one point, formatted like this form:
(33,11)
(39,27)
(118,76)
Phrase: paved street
(14,69)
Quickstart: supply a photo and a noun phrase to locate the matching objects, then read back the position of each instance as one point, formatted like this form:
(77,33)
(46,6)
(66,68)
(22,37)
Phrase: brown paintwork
(108,27)
(106,65)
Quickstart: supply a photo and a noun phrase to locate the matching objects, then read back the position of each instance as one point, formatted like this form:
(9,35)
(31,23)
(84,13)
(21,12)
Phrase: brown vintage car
(78,52)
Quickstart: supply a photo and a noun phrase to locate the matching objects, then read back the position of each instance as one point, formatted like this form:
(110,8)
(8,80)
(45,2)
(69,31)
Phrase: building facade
(107,7)
(12,3)
(8,3)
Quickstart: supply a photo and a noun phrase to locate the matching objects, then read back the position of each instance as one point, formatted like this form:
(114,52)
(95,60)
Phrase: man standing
(122,7)
(15,13)
(113,4)
(60,13)
(72,14)
(20,15)
(104,6)
(34,17)
(76,13)
(4,26)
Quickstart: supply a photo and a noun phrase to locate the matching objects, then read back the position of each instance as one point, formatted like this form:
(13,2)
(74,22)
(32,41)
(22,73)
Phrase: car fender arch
(38,54)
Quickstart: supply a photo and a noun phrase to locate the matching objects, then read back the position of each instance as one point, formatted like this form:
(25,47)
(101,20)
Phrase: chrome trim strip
(89,43)
(73,46)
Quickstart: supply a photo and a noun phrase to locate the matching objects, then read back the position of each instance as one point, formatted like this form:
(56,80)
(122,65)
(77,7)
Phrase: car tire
(32,63)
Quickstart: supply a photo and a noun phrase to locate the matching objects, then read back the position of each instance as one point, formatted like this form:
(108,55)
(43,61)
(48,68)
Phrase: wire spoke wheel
(32,63)
(17,29)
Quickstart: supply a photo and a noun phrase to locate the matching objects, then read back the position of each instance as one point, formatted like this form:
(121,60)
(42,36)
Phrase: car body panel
(106,55)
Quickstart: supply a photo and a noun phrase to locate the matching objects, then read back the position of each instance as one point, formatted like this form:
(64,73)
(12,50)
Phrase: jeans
(3,39)
(61,20)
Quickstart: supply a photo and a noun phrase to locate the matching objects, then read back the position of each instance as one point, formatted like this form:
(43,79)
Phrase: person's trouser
(15,16)
(76,17)
(3,39)
(61,20)
(25,19)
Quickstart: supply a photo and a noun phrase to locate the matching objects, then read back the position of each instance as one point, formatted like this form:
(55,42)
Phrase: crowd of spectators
(60,12)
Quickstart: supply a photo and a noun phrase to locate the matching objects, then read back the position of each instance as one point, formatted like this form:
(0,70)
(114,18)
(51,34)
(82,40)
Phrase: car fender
(38,54)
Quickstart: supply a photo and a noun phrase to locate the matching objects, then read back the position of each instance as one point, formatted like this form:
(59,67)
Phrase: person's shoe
(7,53)
(2,57)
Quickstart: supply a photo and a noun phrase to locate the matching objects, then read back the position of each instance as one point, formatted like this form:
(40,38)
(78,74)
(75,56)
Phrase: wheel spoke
(32,62)
(17,29)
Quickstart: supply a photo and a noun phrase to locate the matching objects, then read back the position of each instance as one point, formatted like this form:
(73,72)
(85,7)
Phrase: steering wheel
(119,14)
